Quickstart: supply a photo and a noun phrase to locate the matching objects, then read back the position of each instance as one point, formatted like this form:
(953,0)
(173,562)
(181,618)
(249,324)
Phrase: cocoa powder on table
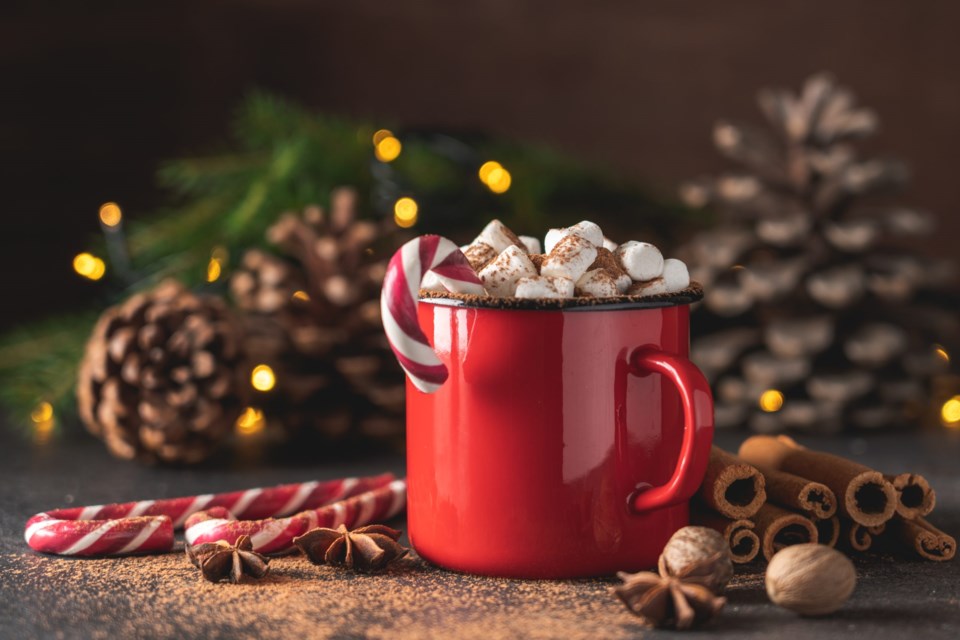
(165,596)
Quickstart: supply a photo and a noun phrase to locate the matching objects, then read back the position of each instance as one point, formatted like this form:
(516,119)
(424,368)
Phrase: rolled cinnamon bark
(857,537)
(799,494)
(828,530)
(731,487)
(863,495)
(744,543)
(915,496)
(778,528)
(923,538)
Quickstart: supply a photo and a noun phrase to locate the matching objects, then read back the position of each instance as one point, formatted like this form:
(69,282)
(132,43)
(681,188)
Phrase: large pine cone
(313,315)
(159,379)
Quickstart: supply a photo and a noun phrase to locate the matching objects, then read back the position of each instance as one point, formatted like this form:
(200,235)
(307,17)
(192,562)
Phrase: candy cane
(147,526)
(275,535)
(398,303)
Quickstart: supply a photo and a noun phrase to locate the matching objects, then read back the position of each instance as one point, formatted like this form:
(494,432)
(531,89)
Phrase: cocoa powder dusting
(165,597)
(693,293)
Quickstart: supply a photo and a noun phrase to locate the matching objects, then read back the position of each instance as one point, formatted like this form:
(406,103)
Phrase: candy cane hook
(398,303)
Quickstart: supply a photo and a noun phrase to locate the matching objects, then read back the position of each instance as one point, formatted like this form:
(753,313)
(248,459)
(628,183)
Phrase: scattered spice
(221,560)
(367,549)
(679,601)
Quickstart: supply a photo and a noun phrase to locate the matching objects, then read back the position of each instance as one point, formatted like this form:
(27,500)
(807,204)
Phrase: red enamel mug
(566,442)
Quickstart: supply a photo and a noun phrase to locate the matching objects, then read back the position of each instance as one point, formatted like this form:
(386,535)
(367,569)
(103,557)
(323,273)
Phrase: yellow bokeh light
(43,422)
(388,149)
(110,214)
(771,400)
(301,295)
(499,180)
(89,266)
(42,413)
(950,412)
(250,422)
(486,169)
(214,269)
(405,212)
(941,353)
(262,378)
(381,135)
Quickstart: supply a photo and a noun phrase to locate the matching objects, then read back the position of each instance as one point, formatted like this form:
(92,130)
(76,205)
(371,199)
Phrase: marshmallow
(675,278)
(648,288)
(544,287)
(587,230)
(597,283)
(552,238)
(641,260)
(501,275)
(570,258)
(499,236)
(609,244)
(479,254)
(606,261)
(532,244)
(675,275)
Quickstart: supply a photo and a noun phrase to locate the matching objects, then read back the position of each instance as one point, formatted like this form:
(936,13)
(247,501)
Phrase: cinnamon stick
(857,537)
(915,496)
(778,528)
(731,487)
(922,537)
(744,543)
(828,531)
(799,494)
(863,495)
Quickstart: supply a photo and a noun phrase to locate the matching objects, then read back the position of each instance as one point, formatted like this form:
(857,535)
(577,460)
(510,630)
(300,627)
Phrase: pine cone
(807,294)
(158,380)
(313,316)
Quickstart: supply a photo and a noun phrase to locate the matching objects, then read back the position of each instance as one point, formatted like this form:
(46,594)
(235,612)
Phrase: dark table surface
(163,596)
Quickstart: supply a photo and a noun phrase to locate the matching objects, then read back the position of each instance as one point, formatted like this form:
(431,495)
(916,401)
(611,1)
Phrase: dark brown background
(94,94)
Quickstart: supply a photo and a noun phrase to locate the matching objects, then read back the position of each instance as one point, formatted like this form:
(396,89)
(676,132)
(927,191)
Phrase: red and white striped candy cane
(398,302)
(147,526)
(275,535)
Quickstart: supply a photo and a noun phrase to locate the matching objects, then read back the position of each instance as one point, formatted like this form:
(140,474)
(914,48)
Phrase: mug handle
(697,401)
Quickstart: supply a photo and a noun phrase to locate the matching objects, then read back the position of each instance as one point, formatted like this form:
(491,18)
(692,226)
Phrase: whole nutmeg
(692,545)
(811,579)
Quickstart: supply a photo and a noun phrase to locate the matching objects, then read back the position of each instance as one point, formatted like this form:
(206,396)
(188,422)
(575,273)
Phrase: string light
(381,135)
(89,266)
(301,295)
(941,353)
(43,422)
(110,214)
(495,176)
(388,149)
(250,422)
(405,212)
(771,400)
(213,270)
(42,413)
(262,378)
(218,257)
(950,412)
(486,168)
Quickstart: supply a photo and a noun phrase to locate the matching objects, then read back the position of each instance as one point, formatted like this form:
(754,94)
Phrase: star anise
(366,549)
(220,560)
(680,600)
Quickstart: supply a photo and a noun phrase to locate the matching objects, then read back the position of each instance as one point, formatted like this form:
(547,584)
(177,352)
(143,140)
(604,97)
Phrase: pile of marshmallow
(578,261)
